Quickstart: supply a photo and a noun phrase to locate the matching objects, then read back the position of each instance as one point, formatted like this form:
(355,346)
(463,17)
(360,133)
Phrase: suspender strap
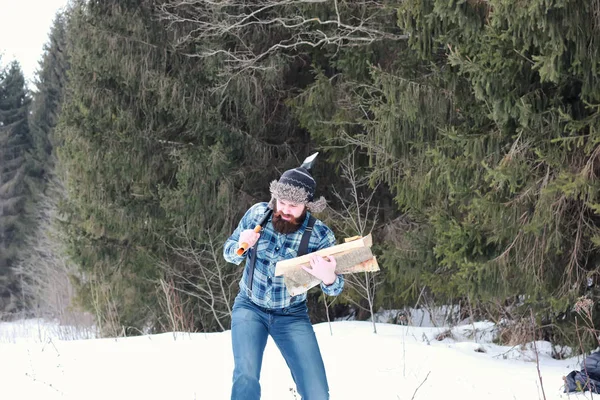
(303,248)
(252,251)
(251,262)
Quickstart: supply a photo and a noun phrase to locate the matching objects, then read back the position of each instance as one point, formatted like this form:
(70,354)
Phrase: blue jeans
(293,334)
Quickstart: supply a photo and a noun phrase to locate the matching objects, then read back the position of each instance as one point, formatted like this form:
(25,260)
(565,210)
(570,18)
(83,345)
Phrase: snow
(43,360)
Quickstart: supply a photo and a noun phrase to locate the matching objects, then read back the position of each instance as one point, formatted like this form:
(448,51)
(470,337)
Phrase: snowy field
(42,361)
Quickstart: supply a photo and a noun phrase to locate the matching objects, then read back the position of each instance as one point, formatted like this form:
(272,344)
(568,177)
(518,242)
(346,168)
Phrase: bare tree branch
(206,23)
(359,216)
(201,274)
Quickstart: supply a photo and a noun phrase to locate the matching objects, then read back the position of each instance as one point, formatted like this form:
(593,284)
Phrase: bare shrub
(358,217)
(199,275)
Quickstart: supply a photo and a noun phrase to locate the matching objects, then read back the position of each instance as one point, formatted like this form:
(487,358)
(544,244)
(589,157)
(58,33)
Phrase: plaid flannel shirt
(268,290)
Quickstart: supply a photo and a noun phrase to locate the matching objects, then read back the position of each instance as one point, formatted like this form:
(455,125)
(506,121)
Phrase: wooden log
(294,263)
(351,257)
(300,281)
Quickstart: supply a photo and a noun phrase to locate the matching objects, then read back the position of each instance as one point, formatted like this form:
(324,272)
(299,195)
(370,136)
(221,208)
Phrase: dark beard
(285,227)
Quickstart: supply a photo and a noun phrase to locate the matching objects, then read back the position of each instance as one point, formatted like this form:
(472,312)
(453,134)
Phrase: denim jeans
(293,334)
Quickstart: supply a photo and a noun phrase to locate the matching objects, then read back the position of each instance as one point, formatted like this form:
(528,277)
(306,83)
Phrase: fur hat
(297,186)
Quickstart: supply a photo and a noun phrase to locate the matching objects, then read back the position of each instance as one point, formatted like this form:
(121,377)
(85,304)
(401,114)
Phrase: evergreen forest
(463,135)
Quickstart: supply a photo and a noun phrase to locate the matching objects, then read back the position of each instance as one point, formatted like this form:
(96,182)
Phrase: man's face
(290,210)
(288,216)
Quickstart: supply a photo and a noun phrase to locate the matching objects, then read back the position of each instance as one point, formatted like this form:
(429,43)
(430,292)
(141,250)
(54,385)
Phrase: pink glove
(248,236)
(322,269)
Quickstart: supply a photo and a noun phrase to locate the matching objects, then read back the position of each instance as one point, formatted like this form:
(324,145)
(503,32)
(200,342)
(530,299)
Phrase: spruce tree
(17,180)
(50,84)
(44,271)
(145,161)
(485,130)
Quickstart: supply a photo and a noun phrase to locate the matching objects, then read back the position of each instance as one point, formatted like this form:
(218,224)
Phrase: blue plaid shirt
(268,290)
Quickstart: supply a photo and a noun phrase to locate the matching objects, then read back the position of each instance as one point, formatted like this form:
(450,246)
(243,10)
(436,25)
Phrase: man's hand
(322,269)
(248,236)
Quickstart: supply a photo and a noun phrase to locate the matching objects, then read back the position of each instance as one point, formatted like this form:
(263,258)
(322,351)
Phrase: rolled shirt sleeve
(335,288)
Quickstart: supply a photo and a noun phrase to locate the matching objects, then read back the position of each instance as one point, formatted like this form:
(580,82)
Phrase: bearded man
(263,306)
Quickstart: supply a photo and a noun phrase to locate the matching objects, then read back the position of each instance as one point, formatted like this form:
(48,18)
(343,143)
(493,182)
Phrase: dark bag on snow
(586,379)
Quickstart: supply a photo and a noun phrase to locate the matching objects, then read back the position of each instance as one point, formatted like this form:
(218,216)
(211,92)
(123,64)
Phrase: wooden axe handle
(242,249)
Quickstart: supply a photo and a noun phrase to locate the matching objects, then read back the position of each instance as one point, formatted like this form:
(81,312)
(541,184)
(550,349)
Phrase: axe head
(309,161)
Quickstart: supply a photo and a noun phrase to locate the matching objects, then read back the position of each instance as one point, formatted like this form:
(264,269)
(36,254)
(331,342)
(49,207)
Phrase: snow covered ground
(38,361)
